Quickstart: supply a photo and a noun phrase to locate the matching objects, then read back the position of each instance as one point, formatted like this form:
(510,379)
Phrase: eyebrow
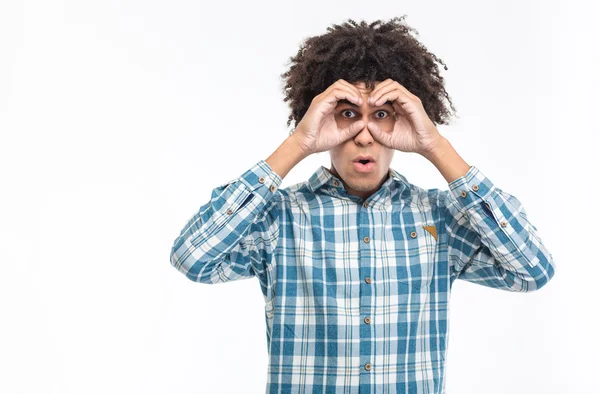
(345,101)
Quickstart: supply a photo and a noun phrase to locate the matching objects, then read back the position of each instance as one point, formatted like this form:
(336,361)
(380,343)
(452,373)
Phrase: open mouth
(364,165)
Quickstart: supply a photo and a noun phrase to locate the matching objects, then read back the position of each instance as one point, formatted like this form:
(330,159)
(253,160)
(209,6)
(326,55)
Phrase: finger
(347,86)
(342,92)
(400,101)
(386,86)
(408,92)
(381,136)
(326,94)
(352,87)
(376,99)
(381,86)
(352,130)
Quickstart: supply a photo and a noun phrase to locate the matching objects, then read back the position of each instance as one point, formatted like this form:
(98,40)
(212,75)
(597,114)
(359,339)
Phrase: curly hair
(360,52)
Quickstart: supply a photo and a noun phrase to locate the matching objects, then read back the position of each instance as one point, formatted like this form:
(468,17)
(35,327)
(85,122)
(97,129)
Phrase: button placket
(365,267)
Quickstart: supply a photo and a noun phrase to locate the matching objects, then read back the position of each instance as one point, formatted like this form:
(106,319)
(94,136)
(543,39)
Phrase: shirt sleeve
(234,234)
(491,241)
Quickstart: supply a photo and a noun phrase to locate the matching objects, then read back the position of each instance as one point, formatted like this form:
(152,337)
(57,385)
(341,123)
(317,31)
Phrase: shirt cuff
(471,188)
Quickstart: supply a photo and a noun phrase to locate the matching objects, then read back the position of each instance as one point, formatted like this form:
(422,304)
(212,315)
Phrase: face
(357,183)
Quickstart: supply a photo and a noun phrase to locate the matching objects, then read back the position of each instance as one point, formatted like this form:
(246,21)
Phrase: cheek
(335,153)
(389,122)
(336,156)
(339,157)
(387,156)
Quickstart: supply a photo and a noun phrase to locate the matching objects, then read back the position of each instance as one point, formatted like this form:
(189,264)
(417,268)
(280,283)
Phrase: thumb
(376,132)
(352,130)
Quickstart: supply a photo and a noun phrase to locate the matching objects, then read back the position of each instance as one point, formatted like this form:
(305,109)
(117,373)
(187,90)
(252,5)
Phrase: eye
(349,110)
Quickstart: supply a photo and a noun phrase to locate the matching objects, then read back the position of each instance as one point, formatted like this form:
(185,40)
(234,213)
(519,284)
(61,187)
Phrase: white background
(117,118)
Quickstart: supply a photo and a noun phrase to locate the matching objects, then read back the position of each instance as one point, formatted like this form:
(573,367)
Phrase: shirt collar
(323,178)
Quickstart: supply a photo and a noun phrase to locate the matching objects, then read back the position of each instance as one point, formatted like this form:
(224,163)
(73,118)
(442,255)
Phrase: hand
(413,131)
(318,130)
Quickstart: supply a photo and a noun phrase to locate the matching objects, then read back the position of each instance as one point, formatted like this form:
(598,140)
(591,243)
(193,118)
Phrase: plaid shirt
(357,292)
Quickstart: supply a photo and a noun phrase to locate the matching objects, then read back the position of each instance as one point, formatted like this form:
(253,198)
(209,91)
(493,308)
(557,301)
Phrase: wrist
(297,146)
(435,149)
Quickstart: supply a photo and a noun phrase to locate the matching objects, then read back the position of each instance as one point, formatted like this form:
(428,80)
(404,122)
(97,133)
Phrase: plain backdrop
(118,118)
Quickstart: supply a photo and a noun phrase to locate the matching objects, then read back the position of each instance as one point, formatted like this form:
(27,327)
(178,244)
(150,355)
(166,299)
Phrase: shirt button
(464,194)
(366,204)
(368,280)
(413,234)
(272,188)
(229,211)
(503,224)
(488,205)
(261,179)
(367,320)
(366,239)
(335,183)
(368,366)
(475,187)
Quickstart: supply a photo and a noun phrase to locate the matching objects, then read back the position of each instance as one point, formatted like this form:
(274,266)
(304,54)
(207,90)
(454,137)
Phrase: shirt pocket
(414,255)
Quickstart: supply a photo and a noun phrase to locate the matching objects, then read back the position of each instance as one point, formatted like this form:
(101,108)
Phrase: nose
(364,136)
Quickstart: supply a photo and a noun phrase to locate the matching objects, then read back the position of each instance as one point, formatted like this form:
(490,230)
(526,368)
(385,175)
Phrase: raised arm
(238,225)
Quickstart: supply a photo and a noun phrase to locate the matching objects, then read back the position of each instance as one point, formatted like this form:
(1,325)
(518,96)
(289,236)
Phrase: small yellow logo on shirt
(431,230)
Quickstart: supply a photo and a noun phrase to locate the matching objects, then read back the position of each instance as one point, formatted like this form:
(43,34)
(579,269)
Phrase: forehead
(363,86)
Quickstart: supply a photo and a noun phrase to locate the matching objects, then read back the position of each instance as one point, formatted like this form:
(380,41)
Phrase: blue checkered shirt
(357,291)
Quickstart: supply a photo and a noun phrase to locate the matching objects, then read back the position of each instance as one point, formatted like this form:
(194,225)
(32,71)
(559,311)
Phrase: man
(356,264)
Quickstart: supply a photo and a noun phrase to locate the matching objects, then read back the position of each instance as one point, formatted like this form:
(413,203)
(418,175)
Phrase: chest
(335,256)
